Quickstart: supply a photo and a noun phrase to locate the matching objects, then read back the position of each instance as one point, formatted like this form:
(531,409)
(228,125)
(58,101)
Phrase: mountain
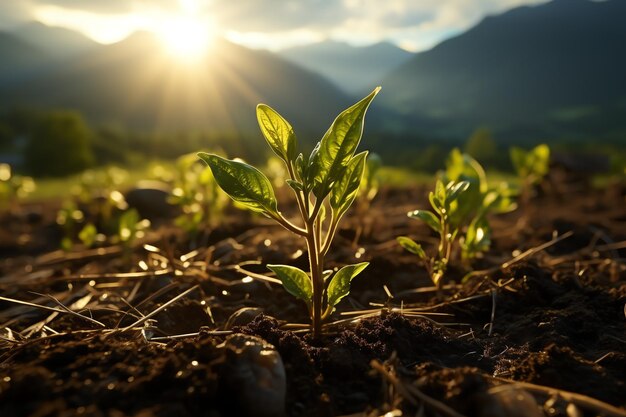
(555,69)
(357,70)
(59,41)
(136,83)
(18,59)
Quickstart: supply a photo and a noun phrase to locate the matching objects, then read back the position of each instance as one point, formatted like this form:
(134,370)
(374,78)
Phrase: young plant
(442,201)
(13,187)
(326,181)
(531,167)
(461,203)
(196,193)
(474,205)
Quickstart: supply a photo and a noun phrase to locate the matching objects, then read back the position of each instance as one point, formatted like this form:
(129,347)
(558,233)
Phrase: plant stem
(316,265)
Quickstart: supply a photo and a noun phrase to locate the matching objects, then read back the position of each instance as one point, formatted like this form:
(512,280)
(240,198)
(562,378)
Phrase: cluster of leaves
(97,212)
(460,203)
(325,184)
(13,187)
(197,194)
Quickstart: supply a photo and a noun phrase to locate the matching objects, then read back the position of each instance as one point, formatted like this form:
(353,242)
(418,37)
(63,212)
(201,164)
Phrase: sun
(187,38)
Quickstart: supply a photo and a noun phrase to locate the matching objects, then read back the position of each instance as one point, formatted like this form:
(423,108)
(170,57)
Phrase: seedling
(196,193)
(474,205)
(13,187)
(531,167)
(444,210)
(326,181)
(461,202)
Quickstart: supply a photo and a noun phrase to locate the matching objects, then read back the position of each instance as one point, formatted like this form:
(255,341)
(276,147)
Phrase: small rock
(242,317)
(254,374)
(150,199)
(509,401)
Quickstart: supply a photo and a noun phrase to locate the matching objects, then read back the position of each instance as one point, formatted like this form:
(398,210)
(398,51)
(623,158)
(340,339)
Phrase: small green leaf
(277,132)
(339,286)
(345,190)
(338,145)
(454,189)
(243,183)
(427,217)
(88,234)
(434,203)
(410,245)
(295,281)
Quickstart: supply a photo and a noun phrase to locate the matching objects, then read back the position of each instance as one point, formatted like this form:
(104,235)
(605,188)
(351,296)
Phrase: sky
(270,24)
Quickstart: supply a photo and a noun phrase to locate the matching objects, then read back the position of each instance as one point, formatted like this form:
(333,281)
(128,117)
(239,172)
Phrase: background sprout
(196,193)
(13,188)
(461,203)
(325,182)
(442,201)
(531,167)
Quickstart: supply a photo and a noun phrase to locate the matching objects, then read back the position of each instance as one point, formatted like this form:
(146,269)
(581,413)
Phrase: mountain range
(554,70)
(137,84)
(355,70)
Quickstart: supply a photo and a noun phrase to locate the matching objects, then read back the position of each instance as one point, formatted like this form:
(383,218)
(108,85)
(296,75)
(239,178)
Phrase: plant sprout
(196,193)
(442,202)
(460,203)
(13,187)
(325,182)
(531,167)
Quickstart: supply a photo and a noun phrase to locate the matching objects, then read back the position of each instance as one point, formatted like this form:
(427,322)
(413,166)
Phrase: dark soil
(558,318)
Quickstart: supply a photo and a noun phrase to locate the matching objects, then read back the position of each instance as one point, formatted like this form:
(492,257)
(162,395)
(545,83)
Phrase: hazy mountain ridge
(554,70)
(356,70)
(135,83)
(541,69)
(57,41)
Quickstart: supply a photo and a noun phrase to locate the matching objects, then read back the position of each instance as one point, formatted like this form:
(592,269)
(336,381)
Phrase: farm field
(545,307)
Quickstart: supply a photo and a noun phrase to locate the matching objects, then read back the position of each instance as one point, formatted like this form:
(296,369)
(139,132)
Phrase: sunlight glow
(186,37)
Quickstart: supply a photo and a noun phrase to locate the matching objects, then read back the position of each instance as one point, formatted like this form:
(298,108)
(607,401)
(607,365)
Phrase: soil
(555,318)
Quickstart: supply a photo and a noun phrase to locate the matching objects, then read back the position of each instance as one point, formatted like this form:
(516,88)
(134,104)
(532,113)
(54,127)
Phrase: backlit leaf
(295,281)
(277,132)
(412,246)
(345,190)
(243,183)
(427,217)
(338,145)
(339,286)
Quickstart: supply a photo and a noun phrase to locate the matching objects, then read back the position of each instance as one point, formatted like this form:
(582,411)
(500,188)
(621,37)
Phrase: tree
(60,144)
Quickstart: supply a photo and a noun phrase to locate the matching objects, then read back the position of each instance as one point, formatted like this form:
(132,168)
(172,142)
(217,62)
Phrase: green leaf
(243,183)
(88,234)
(339,286)
(128,225)
(345,190)
(454,189)
(277,132)
(541,162)
(427,217)
(295,281)
(338,145)
(410,245)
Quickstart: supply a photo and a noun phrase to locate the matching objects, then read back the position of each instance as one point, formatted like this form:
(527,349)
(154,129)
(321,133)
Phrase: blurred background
(90,83)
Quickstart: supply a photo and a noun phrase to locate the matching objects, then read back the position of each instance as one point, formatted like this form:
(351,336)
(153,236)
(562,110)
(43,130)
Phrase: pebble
(253,372)
(509,401)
